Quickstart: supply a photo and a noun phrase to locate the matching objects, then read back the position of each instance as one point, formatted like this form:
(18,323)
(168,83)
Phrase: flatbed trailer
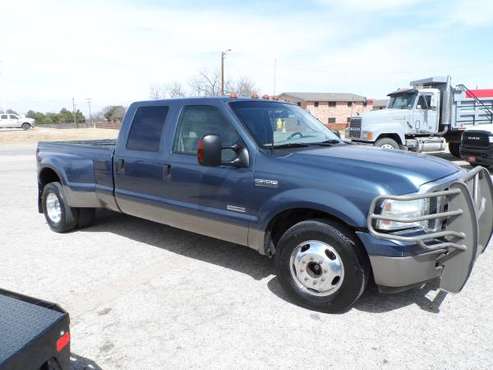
(34,334)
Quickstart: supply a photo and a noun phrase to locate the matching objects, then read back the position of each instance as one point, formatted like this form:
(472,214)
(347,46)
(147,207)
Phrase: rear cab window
(147,128)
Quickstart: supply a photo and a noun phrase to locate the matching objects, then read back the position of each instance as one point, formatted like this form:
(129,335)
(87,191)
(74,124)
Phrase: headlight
(403,209)
(491,139)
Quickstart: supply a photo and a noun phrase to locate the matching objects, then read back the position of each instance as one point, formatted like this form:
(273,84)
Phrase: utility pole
(223,55)
(90,114)
(74,112)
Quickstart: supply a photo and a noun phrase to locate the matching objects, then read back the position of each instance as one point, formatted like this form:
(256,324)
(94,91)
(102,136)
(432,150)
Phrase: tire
(387,143)
(25,126)
(454,149)
(341,286)
(86,217)
(60,217)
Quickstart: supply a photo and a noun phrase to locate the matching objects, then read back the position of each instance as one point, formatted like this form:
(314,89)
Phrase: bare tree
(172,90)
(243,87)
(175,90)
(206,84)
(156,92)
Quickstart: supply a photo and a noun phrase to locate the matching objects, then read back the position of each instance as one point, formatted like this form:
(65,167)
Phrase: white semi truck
(423,117)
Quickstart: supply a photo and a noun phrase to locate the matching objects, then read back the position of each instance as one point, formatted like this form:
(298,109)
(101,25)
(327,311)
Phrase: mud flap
(457,265)
(483,196)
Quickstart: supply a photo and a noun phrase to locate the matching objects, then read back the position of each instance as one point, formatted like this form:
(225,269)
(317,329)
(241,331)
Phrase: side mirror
(209,153)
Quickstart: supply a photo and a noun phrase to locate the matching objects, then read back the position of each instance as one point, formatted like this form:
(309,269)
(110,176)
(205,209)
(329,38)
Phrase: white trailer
(423,117)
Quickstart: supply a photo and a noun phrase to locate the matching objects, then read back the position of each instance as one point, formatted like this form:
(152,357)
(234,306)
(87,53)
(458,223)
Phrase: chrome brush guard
(465,222)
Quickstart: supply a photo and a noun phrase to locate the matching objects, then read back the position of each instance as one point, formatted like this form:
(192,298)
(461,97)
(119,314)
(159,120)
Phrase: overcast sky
(113,51)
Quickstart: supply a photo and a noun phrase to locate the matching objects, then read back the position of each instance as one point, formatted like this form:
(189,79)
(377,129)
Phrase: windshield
(275,124)
(404,101)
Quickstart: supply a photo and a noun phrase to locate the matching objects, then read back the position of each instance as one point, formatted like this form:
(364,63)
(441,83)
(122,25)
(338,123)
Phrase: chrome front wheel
(53,208)
(317,268)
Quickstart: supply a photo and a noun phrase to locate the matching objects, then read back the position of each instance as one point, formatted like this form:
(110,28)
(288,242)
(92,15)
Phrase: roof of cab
(204,99)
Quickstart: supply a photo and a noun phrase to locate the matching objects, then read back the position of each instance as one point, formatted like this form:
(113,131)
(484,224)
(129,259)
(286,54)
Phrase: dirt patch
(54,134)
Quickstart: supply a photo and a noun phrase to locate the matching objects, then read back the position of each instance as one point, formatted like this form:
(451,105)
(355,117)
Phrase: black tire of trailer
(454,149)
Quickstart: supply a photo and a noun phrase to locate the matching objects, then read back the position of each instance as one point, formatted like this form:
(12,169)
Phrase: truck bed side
(85,168)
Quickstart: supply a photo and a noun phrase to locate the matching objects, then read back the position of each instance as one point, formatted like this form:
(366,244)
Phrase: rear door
(4,120)
(140,162)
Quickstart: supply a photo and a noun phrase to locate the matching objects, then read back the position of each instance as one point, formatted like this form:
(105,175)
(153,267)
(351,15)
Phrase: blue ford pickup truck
(268,175)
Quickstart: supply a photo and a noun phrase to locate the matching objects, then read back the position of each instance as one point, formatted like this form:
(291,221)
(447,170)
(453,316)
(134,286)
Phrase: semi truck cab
(423,117)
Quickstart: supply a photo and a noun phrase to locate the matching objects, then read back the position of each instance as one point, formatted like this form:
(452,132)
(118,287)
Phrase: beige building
(333,109)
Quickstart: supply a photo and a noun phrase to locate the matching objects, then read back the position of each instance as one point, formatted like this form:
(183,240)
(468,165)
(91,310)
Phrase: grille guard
(464,235)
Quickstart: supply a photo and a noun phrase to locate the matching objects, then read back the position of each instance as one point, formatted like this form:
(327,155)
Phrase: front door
(13,120)
(424,115)
(218,196)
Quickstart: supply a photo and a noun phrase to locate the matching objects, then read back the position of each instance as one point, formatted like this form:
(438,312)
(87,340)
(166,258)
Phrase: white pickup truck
(15,121)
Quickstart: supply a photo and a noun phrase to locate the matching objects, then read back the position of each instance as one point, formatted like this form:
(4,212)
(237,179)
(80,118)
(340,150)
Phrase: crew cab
(267,175)
(15,121)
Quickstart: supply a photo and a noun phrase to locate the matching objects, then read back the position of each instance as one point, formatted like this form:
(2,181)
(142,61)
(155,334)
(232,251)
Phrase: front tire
(454,149)
(59,216)
(321,265)
(387,143)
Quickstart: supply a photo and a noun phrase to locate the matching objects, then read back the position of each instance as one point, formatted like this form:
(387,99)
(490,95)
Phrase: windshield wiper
(287,145)
(328,142)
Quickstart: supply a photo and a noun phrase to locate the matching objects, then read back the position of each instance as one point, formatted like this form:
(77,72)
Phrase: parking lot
(145,296)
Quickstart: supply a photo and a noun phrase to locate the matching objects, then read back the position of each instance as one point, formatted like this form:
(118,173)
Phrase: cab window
(4,116)
(199,120)
(422,103)
(147,127)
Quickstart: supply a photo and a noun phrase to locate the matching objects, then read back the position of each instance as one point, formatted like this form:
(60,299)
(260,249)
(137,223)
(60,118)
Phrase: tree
(172,90)
(114,113)
(206,84)
(243,87)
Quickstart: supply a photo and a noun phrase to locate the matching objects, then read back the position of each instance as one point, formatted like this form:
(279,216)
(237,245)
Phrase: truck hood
(385,115)
(391,171)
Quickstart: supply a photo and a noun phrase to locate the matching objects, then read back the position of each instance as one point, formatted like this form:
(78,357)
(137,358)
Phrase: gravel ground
(146,296)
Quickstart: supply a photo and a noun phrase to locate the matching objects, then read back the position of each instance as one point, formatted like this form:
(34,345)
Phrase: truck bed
(29,330)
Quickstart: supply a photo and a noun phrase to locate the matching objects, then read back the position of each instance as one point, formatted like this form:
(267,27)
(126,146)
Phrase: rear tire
(454,149)
(387,143)
(321,265)
(59,216)
(26,126)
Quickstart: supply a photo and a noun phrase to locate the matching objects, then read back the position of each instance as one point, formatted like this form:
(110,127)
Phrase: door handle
(166,170)
(120,164)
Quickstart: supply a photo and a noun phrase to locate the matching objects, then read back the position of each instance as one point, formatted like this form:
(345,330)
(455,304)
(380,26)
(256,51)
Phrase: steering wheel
(295,134)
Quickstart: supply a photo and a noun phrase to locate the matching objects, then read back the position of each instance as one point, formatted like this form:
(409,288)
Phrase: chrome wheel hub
(317,268)
(387,146)
(53,208)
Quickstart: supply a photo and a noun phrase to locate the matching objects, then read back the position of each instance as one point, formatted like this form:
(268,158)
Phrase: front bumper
(448,253)
(481,155)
